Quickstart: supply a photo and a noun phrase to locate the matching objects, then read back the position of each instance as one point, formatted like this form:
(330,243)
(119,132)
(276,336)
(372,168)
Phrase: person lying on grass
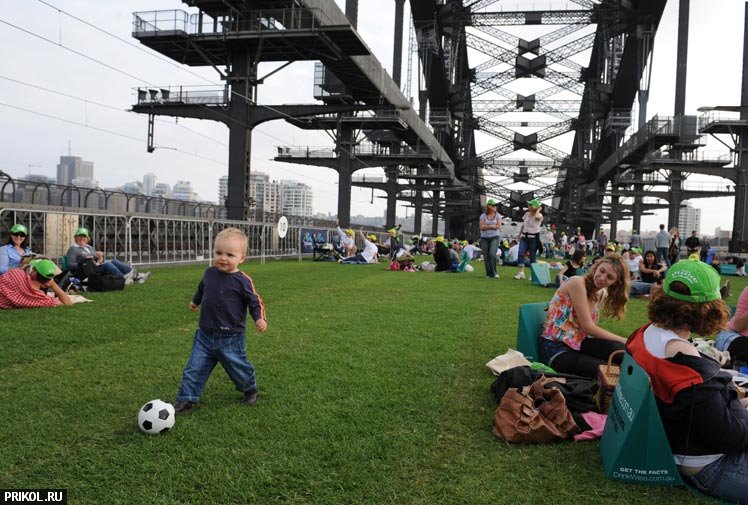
(225,294)
(572,342)
(705,422)
(25,288)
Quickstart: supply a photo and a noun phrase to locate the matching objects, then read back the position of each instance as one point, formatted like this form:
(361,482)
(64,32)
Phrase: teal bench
(530,326)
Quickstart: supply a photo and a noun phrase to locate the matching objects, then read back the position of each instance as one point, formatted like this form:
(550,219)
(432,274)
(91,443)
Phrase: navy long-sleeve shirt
(224,300)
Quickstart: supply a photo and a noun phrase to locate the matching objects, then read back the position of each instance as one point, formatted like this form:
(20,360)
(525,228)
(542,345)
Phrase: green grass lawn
(373,384)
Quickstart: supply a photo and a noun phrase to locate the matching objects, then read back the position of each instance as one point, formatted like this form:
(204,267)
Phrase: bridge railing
(160,240)
(208,95)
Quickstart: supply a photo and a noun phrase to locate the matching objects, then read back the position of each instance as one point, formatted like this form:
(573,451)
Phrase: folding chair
(531,319)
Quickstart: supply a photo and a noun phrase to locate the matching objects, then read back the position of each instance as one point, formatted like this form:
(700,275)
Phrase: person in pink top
(529,235)
(734,338)
(572,341)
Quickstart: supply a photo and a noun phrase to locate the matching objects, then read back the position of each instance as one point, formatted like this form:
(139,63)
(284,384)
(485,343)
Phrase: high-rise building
(149,182)
(296,198)
(161,189)
(689,219)
(183,191)
(223,189)
(259,185)
(285,197)
(73,167)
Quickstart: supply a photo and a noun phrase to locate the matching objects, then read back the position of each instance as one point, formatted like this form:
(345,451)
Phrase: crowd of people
(703,414)
(29,280)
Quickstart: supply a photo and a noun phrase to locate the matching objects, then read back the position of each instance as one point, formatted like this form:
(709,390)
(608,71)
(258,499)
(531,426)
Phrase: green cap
(19,228)
(701,279)
(534,203)
(82,231)
(45,268)
(491,201)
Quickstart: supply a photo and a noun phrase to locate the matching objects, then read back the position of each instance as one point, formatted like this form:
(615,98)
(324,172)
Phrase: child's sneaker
(251,397)
(181,406)
(141,278)
(520,276)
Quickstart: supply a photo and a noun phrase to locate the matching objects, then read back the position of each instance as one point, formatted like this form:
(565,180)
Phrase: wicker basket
(607,378)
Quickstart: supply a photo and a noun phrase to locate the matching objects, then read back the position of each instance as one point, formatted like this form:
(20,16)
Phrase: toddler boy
(225,294)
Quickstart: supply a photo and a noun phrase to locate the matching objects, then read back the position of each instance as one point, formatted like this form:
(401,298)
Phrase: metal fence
(153,239)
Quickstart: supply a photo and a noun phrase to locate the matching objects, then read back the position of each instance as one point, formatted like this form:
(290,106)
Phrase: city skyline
(197,150)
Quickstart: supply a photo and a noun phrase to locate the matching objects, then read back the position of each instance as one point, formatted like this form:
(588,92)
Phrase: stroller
(324,251)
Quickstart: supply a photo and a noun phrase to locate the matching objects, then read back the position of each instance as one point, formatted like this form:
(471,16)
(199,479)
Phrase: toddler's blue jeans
(208,349)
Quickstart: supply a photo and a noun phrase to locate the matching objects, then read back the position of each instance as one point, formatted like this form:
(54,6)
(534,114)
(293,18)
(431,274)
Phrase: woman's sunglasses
(19,235)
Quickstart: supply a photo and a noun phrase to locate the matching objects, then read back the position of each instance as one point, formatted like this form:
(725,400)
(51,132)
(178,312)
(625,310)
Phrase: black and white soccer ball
(156,417)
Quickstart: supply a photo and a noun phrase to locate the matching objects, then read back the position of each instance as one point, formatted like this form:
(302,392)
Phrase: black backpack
(86,269)
(105,282)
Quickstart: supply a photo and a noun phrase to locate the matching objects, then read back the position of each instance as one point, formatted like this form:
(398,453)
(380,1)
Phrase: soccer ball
(156,417)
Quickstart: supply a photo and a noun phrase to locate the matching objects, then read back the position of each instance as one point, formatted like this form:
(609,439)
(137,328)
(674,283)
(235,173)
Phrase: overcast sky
(197,150)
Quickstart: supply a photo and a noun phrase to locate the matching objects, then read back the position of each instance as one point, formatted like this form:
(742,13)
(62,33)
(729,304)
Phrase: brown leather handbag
(536,414)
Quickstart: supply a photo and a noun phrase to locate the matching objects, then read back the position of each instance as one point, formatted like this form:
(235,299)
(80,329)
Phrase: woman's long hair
(618,292)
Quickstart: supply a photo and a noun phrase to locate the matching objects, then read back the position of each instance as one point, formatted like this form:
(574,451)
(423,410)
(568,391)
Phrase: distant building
(84,182)
(724,234)
(183,191)
(133,187)
(689,219)
(223,189)
(296,198)
(40,178)
(161,189)
(149,182)
(73,167)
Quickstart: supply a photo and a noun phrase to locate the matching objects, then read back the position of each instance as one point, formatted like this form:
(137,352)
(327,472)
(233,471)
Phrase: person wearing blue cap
(490,235)
(17,247)
(705,421)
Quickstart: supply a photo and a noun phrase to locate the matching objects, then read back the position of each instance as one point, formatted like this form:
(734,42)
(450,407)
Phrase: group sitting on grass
(703,412)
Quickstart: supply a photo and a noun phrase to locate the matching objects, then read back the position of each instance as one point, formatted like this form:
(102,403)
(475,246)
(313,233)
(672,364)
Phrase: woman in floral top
(572,342)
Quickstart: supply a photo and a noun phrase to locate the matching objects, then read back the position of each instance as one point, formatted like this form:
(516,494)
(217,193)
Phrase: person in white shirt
(470,250)
(529,234)
(347,240)
(512,254)
(368,255)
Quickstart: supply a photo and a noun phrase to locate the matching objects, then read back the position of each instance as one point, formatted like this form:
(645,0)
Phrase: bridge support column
(740,218)
(435,214)
(345,173)
(240,137)
(392,191)
(676,199)
(614,202)
(418,210)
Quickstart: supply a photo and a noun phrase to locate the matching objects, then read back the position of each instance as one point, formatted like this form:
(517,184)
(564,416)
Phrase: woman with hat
(705,422)
(529,234)
(81,251)
(490,234)
(17,246)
